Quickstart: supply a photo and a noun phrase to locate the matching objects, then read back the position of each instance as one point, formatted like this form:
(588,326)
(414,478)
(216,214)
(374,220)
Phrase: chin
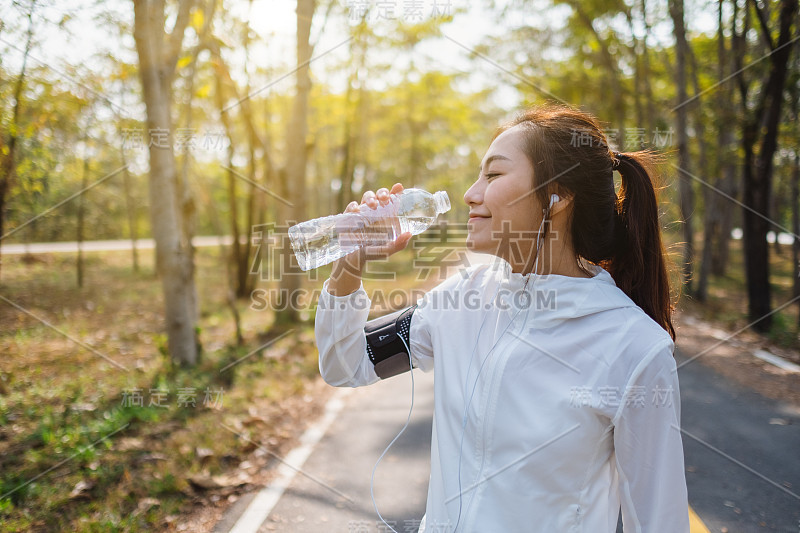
(476,246)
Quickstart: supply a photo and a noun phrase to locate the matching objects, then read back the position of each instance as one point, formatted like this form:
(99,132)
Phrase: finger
(366,196)
(384,251)
(397,188)
(369,200)
(352,207)
(383,195)
(403,240)
(398,244)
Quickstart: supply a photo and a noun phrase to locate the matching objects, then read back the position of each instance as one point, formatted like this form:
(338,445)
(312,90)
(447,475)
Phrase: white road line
(104,246)
(777,361)
(265,500)
(721,335)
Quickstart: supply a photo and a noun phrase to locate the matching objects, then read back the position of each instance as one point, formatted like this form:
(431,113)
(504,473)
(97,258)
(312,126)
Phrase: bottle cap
(442,202)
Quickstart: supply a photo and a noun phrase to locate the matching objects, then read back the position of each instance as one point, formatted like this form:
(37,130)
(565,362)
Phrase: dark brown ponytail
(570,156)
(637,264)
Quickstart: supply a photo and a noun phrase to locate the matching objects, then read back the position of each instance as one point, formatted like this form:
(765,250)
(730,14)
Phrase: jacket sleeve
(339,332)
(649,448)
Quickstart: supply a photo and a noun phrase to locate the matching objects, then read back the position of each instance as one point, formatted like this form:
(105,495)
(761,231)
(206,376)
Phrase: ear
(563,203)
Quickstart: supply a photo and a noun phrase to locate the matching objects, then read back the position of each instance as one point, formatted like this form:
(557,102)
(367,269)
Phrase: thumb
(400,243)
(385,250)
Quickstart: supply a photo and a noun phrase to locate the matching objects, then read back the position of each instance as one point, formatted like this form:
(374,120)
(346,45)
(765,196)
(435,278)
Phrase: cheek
(513,213)
(509,197)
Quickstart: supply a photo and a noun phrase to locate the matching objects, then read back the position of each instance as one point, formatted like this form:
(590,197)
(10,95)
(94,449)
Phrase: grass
(76,453)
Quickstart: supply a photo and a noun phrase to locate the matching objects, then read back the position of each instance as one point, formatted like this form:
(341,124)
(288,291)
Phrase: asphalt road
(346,455)
(720,418)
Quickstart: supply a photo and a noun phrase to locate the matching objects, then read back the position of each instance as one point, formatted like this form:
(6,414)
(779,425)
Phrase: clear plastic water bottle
(323,240)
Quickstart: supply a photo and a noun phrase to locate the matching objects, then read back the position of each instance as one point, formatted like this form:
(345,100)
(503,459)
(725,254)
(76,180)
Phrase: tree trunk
(81,209)
(720,217)
(684,181)
(158,53)
(297,132)
(230,297)
(730,186)
(648,88)
(414,132)
(185,195)
(130,210)
(233,211)
(346,173)
(233,204)
(271,180)
(796,225)
(794,91)
(755,246)
(353,134)
(241,252)
(775,203)
(710,197)
(246,280)
(8,163)
(637,69)
(764,123)
(710,233)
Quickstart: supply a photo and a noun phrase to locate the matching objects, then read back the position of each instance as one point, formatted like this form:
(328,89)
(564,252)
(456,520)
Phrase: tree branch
(247,114)
(314,42)
(175,37)
(762,19)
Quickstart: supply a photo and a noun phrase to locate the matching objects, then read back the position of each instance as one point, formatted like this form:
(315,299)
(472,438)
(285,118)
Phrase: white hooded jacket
(572,402)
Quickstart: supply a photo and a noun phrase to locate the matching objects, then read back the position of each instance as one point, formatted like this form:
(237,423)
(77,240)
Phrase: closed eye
(490,176)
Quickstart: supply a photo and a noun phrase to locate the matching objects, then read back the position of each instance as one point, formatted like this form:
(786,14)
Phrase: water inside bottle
(329,239)
(320,241)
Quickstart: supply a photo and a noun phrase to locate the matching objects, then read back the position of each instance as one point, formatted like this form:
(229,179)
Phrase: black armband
(384,347)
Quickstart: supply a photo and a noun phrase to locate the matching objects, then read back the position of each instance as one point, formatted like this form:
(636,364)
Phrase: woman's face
(503,209)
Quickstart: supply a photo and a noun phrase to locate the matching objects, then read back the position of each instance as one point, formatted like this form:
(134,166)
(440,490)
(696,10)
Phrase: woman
(556,392)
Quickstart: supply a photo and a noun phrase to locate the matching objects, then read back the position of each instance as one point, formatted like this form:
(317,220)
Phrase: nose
(474,194)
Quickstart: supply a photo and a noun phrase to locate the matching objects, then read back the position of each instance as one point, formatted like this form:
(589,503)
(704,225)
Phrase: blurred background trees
(216,117)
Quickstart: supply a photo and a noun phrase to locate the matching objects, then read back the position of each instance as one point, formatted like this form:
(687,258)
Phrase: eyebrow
(492,158)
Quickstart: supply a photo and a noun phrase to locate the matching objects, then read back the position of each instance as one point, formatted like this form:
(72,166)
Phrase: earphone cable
(408,419)
(464,418)
(546,213)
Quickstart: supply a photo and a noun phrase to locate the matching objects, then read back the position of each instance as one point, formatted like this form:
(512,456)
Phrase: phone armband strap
(384,347)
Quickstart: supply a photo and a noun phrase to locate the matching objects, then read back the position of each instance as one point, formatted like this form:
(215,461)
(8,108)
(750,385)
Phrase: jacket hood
(555,297)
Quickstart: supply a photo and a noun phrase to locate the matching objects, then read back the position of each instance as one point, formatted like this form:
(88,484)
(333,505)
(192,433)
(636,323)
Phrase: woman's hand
(346,273)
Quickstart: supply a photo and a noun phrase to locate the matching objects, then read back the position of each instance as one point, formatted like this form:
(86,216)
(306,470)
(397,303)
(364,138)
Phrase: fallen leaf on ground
(129,443)
(203,453)
(147,503)
(207,482)
(80,489)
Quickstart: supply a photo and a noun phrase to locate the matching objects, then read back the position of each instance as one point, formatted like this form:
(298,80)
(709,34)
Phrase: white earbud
(554,198)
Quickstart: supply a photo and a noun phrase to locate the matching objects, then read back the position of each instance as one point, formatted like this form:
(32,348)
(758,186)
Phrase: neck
(555,257)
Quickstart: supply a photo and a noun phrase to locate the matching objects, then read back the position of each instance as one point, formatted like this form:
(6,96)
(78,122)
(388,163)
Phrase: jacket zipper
(504,353)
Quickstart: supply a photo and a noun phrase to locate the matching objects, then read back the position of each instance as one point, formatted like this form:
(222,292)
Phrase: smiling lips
(473,216)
